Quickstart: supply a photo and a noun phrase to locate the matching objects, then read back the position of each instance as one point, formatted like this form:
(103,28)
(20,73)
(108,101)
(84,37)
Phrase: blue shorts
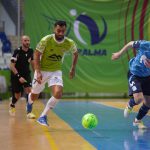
(138,84)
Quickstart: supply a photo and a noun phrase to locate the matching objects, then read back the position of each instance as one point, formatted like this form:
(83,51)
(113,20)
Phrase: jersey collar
(58,41)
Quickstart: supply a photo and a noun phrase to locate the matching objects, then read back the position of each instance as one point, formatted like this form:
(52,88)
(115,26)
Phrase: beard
(26,45)
(59,38)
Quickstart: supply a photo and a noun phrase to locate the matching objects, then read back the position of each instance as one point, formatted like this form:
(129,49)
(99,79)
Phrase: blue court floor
(113,132)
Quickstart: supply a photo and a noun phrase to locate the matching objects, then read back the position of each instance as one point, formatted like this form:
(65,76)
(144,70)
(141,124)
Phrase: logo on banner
(97,34)
(92,26)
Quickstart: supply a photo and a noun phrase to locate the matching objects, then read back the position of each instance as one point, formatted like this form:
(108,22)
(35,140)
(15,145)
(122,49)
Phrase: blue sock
(142,112)
(132,102)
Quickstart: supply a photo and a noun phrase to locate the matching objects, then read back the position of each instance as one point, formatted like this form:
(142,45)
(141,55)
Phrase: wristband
(18,75)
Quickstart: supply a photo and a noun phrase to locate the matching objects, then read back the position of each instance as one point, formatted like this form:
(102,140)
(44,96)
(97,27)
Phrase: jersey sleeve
(14,56)
(136,44)
(73,46)
(42,44)
(141,45)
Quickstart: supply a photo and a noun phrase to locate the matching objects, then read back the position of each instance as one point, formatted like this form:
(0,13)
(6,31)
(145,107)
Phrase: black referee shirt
(22,60)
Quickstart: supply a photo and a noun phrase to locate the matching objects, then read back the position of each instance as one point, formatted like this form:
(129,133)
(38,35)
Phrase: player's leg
(27,85)
(135,91)
(30,115)
(135,100)
(16,94)
(56,84)
(31,98)
(35,91)
(142,113)
(56,96)
(14,99)
(146,104)
(27,89)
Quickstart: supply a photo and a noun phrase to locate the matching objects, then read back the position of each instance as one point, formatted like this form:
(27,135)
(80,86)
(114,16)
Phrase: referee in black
(20,73)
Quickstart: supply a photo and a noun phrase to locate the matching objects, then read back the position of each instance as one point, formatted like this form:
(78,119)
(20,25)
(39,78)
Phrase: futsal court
(66,132)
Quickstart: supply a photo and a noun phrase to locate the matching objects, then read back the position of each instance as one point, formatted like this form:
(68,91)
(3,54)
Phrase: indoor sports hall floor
(66,133)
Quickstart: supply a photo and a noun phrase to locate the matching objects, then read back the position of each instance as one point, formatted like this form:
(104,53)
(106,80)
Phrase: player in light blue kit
(139,79)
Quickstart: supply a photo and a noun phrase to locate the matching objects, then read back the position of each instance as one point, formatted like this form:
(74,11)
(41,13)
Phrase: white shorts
(52,78)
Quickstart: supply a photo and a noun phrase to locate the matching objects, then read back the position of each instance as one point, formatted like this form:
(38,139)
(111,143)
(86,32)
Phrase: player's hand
(22,80)
(147,62)
(72,73)
(115,55)
(39,77)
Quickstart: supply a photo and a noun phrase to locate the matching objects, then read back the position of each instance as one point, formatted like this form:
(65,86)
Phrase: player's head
(59,30)
(25,41)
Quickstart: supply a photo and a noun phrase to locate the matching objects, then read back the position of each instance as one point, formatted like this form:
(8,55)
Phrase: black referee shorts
(17,86)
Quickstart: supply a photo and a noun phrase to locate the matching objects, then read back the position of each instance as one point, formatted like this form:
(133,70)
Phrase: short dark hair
(60,23)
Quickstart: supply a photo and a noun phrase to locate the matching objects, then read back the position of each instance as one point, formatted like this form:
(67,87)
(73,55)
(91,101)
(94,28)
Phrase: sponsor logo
(55,57)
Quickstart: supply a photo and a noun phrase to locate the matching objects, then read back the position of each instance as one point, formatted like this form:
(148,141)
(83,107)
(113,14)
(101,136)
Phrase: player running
(138,78)
(48,56)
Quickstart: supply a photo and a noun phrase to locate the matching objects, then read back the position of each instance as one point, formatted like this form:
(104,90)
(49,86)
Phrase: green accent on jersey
(53,52)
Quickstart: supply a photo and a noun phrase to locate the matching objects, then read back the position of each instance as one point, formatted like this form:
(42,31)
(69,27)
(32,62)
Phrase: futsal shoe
(139,124)
(31,116)
(43,121)
(127,111)
(12,110)
(29,107)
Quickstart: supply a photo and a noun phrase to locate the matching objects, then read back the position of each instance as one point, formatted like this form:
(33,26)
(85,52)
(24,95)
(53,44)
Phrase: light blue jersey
(136,64)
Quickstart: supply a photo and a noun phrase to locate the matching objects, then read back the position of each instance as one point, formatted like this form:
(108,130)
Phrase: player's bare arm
(118,54)
(74,62)
(15,71)
(32,65)
(37,55)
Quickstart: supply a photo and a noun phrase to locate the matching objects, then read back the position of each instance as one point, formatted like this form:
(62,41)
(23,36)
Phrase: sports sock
(131,102)
(50,105)
(12,105)
(14,100)
(142,112)
(29,99)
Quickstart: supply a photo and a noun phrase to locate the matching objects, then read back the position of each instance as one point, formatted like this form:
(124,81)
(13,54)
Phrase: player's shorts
(52,78)
(138,84)
(17,86)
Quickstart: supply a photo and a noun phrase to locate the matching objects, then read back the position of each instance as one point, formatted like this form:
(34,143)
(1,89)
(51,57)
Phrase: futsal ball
(89,121)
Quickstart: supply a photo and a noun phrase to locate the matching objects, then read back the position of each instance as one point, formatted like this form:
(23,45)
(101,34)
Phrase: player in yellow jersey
(48,65)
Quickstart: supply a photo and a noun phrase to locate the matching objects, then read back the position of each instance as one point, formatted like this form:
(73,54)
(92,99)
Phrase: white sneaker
(31,116)
(127,111)
(139,124)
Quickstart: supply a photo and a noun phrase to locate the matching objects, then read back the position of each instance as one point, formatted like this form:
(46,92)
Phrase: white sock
(136,120)
(29,99)
(50,105)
